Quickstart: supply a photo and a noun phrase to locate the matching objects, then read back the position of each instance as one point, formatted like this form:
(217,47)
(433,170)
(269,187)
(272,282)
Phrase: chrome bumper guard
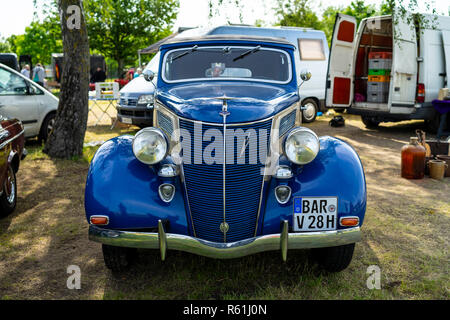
(171,241)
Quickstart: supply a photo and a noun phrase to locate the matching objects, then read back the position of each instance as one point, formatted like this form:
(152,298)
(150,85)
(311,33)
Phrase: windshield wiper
(247,53)
(194,48)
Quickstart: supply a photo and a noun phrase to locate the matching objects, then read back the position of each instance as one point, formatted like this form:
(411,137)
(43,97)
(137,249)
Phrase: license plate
(315,213)
(127,120)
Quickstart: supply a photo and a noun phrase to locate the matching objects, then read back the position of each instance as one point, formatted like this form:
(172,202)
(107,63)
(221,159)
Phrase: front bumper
(138,115)
(281,241)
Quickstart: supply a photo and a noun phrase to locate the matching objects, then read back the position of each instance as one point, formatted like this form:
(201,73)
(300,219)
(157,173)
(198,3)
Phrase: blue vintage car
(228,170)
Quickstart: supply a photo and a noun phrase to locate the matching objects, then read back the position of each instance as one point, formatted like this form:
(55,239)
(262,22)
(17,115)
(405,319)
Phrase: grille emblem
(224,227)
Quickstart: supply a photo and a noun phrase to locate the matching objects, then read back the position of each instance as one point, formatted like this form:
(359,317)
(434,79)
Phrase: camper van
(311,53)
(387,70)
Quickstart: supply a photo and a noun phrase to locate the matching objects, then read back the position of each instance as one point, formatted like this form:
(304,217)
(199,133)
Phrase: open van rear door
(446,43)
(404,62)
(339,89)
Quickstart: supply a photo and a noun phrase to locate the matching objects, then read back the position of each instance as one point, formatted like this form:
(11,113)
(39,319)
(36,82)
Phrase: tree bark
(67,137)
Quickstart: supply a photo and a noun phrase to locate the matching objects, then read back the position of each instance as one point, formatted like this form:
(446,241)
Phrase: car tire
(47,126)
(310,112)
(118,259)
(369,122)
(334,259)
(8,199)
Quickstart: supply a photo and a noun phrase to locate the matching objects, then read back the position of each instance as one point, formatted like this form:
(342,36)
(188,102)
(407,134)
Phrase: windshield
(222,63)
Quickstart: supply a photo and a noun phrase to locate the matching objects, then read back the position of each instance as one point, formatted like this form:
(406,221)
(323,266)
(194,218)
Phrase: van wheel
(369,122)
(118,259)
(310,110)
(334,259)
(8,199)
(47,127)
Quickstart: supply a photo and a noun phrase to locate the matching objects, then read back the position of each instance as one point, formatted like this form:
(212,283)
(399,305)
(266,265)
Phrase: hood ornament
(224,99)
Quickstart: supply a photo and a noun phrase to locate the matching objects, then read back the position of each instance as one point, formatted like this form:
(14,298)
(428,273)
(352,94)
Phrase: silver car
(27,101)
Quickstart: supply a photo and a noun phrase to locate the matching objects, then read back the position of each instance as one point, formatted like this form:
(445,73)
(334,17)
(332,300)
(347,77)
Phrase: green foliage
(119,28)
(297,13)
(4,46)
(40,40)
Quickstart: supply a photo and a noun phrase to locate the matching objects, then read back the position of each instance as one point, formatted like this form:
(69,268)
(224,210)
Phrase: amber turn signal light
(349,221)
(99,220)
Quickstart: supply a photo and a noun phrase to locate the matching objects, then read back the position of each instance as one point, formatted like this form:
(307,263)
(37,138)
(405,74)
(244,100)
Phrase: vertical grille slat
(204,185)
(165,123)
(287,123)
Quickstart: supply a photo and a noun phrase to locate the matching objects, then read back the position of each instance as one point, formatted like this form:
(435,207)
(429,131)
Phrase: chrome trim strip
(224,114)
(4,143)
(150,240)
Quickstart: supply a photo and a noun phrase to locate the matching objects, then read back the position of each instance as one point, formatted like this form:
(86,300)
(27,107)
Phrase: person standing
(26,71)
(39,74)
(98,76)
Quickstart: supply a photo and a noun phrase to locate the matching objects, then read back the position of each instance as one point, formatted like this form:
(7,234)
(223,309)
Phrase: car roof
(228,38)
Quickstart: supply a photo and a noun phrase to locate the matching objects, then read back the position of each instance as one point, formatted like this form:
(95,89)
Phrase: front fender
(336,171)
(126,190)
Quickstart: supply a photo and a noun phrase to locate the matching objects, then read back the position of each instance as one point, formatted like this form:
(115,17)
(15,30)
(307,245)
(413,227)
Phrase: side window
(311,49)
(11,84)
(35,90)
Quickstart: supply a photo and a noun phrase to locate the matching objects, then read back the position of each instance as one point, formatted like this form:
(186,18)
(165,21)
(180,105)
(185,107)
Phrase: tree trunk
(120,66)
(67,137)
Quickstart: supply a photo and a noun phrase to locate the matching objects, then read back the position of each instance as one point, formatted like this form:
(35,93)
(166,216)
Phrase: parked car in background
(405,66)
(136,99)
(12,150)
(27,101)
(10,60)
(311,52)
(227,170)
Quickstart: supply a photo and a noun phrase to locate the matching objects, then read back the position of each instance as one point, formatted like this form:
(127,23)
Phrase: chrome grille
(165,123)
(287,123)
(243,183)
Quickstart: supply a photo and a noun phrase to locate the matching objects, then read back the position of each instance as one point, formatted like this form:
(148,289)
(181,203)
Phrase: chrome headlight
(301,145)
(150,145)
(146,99)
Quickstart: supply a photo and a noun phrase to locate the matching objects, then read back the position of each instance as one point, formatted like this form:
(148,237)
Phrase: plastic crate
(380,63)
(377,97)
(378,78)
(380,55)
(381,87)
(379,72)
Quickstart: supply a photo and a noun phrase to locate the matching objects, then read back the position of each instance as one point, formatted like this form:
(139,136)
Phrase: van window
(311,49)
(11,84)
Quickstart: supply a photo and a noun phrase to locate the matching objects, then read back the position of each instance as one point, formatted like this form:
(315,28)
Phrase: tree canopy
(118,28)
(40,40)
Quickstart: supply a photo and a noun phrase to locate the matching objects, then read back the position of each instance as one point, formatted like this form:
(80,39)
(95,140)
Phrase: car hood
(136,87)
(247,101)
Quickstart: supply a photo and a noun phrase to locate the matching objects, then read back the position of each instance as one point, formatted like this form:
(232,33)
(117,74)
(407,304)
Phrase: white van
(312,54)
(27,101)
(420,66)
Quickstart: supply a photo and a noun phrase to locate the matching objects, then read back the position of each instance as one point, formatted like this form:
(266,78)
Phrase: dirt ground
(405,233)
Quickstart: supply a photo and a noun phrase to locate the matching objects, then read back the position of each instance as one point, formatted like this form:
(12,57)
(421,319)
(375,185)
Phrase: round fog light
(166,192)
(283,194)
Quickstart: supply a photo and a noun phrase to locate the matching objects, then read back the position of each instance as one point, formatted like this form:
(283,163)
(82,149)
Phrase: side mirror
(149,75)
(305,75)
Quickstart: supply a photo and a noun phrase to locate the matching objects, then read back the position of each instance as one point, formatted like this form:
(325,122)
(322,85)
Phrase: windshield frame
(245,47)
